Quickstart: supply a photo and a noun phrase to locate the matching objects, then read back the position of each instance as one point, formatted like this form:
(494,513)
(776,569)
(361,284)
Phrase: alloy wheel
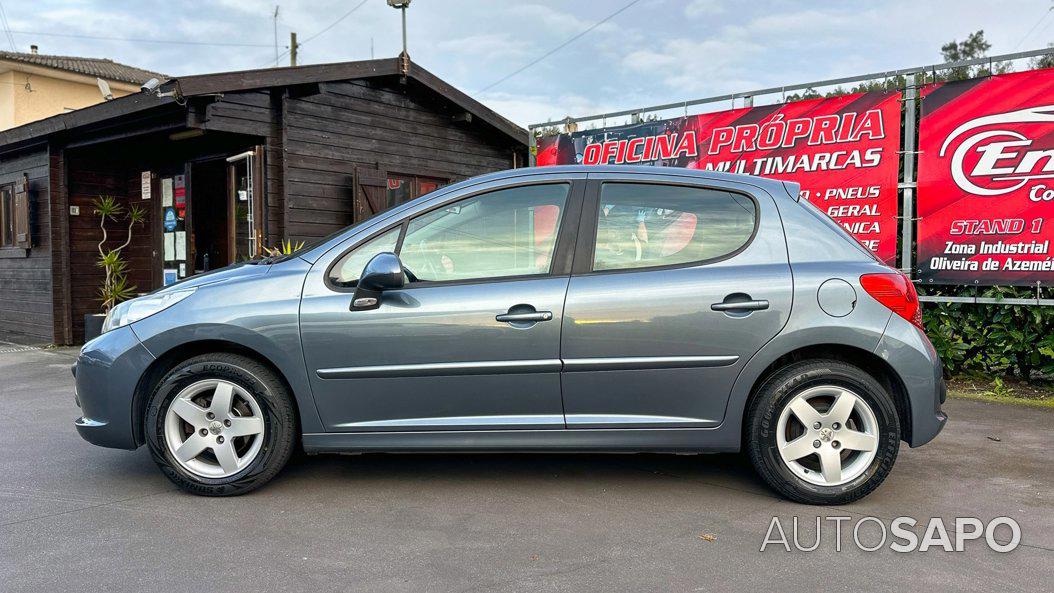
(827,435)
(214,428)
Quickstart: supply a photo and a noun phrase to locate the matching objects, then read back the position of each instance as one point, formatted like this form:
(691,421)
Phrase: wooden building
(223,165)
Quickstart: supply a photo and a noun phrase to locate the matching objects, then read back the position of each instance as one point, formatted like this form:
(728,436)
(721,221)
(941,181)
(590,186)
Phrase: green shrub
(996,340)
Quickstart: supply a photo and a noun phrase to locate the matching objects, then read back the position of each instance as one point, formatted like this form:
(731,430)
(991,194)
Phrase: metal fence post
(907,223)
(532,146)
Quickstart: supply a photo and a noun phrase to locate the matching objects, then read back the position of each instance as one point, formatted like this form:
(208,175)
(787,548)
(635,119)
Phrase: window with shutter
(22,236)
(7,216)
(403,188)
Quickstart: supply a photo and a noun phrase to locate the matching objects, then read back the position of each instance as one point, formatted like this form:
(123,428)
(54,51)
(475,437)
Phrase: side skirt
(661,440)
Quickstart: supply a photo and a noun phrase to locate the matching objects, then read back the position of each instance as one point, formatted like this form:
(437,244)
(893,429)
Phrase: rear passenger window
(644,225)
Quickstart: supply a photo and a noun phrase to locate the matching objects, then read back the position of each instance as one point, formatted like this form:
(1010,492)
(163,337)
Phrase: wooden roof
(227,82)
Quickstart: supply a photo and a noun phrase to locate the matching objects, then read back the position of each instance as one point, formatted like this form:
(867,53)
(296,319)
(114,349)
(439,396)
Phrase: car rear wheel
(220,425)
(823,432)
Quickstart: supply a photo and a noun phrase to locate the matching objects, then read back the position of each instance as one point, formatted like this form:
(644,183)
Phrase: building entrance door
(245,196)
(225,220)
(212,244)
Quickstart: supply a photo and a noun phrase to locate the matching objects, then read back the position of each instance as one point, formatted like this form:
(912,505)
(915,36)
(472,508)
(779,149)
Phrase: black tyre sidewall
(278,416)
(785,385)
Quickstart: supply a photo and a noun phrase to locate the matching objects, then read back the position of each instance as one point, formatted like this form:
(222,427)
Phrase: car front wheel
(823,432)
(220,425)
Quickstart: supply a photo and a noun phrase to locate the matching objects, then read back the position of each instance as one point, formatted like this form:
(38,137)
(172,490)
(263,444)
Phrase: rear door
(676,283)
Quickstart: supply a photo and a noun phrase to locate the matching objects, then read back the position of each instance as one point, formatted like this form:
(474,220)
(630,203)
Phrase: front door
(472,341)
(675,287)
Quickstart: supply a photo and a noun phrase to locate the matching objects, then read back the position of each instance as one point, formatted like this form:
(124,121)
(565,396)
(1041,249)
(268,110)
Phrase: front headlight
(142,307)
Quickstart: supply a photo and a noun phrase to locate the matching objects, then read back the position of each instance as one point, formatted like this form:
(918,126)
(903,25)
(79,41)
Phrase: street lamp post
(402,5)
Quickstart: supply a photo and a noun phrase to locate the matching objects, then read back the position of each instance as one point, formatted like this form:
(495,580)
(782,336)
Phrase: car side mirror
(383,272)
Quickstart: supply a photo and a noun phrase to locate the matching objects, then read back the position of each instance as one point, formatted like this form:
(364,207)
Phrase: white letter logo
(988,166)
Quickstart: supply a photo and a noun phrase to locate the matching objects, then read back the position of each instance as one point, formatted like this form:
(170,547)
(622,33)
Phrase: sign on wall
(841,150)
(986,180)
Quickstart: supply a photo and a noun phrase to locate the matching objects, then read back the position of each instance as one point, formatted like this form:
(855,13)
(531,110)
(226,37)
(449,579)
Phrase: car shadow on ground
(731,471)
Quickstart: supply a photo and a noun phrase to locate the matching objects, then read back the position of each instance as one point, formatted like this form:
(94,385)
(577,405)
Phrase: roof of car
(774,186)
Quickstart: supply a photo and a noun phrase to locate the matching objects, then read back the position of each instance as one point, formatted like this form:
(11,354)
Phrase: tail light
(896,292)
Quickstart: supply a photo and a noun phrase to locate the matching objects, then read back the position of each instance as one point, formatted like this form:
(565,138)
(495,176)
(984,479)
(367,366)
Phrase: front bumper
(107,373)
(911,355)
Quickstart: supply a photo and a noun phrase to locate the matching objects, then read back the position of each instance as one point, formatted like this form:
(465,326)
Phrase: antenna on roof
(104,88)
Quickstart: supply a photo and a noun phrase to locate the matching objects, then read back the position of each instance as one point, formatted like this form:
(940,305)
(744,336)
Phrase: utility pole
(292,48)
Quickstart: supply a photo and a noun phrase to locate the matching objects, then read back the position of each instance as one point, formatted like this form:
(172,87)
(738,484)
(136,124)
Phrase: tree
(974,47)
(1046,61)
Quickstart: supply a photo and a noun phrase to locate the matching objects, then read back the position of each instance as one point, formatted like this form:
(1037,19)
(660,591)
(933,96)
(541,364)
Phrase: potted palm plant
(286,247)
(115,287)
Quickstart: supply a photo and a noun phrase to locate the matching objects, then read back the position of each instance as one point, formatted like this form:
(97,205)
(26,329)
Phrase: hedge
(996,340)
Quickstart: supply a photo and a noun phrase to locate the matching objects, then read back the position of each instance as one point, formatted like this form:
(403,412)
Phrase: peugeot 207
(625,309)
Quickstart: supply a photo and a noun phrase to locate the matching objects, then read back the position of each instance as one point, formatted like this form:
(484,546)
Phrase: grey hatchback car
(627,309)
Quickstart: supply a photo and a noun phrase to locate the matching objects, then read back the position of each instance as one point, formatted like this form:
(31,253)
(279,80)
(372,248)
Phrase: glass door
(245,199)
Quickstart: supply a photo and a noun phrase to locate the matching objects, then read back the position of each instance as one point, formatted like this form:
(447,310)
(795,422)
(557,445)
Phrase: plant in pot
(286,247)
(115,287)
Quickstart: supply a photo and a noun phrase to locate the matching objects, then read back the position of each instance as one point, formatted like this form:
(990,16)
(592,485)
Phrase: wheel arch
(168,360)
(867,361)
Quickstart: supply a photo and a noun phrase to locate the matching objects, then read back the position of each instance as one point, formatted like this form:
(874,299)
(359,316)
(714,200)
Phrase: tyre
(822,432)
(220,425)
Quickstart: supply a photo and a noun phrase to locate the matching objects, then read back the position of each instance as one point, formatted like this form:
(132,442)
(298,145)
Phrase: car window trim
(588,227)
(328,275)
(560,265)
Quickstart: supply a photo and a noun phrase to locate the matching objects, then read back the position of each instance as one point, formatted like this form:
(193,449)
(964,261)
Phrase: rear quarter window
(838,229)
(642,225)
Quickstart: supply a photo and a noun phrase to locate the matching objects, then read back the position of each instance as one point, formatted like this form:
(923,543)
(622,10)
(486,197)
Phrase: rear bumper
(911,355)
(107,373)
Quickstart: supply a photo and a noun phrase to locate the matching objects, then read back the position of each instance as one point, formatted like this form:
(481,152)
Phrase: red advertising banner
(841,150)
(986,180)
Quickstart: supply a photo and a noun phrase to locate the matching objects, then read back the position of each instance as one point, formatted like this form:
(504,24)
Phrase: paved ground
(78,517)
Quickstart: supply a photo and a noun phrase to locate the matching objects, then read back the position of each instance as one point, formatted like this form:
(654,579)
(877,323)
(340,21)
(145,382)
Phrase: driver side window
(509,232)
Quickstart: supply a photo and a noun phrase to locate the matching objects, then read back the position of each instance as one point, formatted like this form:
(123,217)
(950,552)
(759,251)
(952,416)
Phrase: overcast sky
(656,51)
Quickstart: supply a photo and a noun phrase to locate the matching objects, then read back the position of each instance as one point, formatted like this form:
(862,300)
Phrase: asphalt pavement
(75,517)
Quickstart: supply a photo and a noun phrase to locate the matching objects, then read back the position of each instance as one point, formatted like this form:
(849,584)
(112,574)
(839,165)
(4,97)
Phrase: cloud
(697,8)
(820,28)
(691,65)
(487,46)
(526,109)
(556,21)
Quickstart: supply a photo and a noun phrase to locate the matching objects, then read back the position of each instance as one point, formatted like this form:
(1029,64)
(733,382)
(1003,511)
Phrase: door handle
(740,306)
(524,317)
